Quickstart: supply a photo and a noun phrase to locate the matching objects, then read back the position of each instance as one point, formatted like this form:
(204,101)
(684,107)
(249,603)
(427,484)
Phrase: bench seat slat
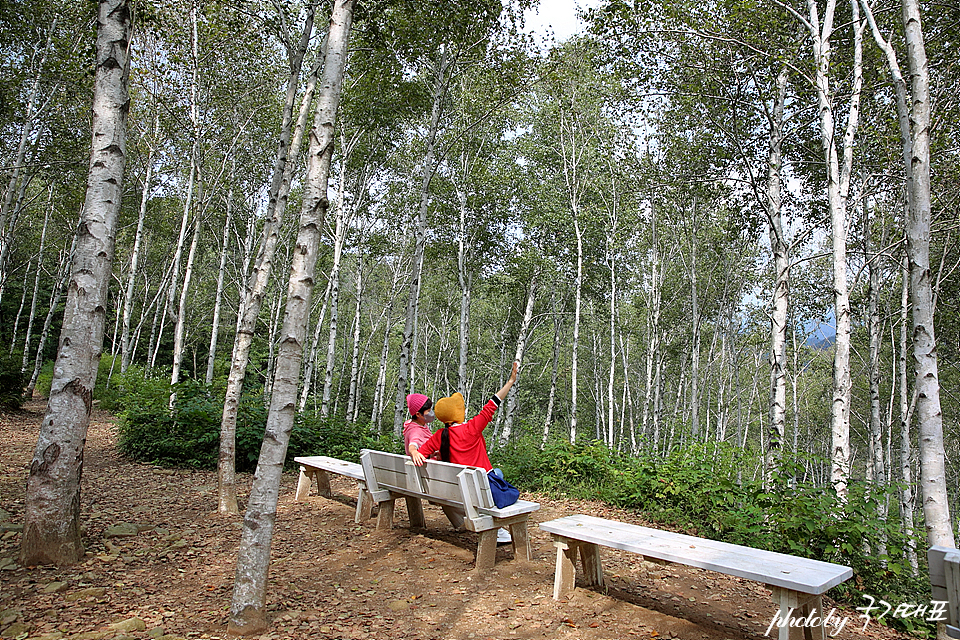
(333,465)
(777,569)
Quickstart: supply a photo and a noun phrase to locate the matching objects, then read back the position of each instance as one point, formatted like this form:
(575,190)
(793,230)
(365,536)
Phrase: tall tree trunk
(465,280)
(353,396)
(696,321)
(914,110)
(781,286)
(218,296)
(51,532)
(14,185)
(522,338)
(180,329)
(906,456)
(23,300)
(248,605)
(408,345)
(126,353)
(36,287)
(45,331)
(339,238)
(287,153)
(876,463)
(838,185)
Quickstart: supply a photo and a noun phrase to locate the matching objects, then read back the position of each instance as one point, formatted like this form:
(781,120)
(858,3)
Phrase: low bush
(12,381)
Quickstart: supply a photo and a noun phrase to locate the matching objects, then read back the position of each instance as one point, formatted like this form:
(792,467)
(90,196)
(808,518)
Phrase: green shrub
(44,380)
(12,381)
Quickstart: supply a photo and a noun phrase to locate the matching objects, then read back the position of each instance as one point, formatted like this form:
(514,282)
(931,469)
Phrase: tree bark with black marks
(51,533)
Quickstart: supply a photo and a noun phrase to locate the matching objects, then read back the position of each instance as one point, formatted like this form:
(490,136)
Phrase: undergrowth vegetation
(712,490)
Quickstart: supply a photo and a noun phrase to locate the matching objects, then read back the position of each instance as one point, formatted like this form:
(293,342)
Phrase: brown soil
(330,577)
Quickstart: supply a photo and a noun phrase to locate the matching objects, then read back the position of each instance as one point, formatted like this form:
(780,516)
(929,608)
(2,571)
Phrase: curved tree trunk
(51,533)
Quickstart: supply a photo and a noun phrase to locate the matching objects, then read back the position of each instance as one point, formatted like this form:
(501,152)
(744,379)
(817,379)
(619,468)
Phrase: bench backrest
(945,580)
(444,481)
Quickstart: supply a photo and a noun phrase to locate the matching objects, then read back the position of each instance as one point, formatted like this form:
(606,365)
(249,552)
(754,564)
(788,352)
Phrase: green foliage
(12,381)
(189,434)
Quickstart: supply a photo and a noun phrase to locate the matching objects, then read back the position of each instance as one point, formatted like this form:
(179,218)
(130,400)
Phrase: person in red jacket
(462,442)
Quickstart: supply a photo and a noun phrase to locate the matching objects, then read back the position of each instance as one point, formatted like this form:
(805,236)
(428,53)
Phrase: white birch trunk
(554,372)
(914,111)
(906,455)
(23,301)
(51,533)
(218,298)
(314,350)
(353,396)
(408,344)
(180,328)
(838,182)
(36,287)
(465,280)
(126,354)
(781,286)
(522,338)
(248,605)
(876,464)
(287,153)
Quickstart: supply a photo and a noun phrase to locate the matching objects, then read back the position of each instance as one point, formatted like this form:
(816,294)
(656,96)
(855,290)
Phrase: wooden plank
(517,508)
(565,574)
(938,580)
(776,569)
(333,465)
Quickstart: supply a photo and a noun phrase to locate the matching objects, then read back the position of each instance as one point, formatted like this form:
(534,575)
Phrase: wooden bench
(945,582)
(390,476)
(318,467)
(797,583)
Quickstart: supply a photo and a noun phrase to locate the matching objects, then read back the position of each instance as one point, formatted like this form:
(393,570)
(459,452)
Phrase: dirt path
(171,577)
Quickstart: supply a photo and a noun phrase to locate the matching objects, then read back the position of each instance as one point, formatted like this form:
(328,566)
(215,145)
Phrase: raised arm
(502,394)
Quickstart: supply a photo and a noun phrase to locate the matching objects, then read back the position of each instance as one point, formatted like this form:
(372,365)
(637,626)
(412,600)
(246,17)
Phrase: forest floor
(171,575)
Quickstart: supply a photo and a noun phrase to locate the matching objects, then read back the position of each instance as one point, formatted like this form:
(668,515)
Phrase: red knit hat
(415,402)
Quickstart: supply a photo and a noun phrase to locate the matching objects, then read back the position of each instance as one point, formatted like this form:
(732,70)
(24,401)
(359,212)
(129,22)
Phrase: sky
(560,15)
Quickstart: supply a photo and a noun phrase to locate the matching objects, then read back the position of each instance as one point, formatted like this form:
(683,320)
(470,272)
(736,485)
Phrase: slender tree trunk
(465,280)
(695,346)
(125,351)
(218,298)
(248,606)
(838,184)
(914,111)
(906,456)
(876,464)
(14,185)
(408,345)
(314,350)
(554,369)
(45,331)
(522,338)
(781,287)
(339,238)
(180,329)
(353,397)
(287,153)
(36,287)
(51,532)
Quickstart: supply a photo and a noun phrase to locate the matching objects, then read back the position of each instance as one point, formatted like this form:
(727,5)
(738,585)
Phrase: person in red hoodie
(462,442)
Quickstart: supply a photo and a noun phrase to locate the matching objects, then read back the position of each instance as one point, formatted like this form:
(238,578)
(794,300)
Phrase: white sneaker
(503,536)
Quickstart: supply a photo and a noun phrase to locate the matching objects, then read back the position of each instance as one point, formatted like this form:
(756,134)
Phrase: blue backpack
(504,493)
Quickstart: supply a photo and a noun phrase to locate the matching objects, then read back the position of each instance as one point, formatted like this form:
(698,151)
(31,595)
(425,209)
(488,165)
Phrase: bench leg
(565,576)
(303,484)
(794,605)
(592,568)
(415,511)
(385,514)
(323,484)
(364,504)
(521,541)
(487,550)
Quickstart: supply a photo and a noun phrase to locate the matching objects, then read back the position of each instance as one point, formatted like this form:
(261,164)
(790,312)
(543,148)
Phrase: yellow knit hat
(450,410)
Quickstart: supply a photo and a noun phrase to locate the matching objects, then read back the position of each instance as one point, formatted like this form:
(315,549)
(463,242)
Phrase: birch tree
(51,532)
(248,605)
(914,116)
